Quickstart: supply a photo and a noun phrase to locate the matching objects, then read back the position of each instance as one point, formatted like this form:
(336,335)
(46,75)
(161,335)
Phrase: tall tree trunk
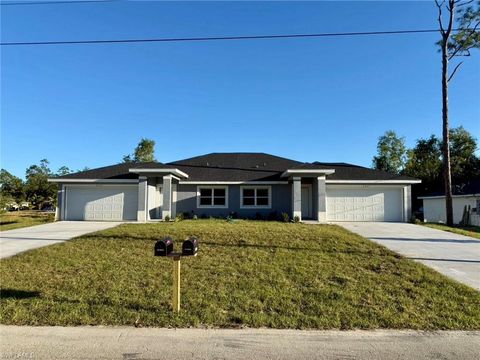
(447,174)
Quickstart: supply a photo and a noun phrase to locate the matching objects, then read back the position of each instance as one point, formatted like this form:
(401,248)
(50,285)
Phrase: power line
(219,38)
(16,3)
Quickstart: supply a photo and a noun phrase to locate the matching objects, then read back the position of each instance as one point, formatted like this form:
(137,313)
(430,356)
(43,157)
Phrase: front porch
(309,198)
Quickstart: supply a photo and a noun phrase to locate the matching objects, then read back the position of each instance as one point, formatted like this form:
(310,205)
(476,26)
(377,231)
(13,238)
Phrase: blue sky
(323,99)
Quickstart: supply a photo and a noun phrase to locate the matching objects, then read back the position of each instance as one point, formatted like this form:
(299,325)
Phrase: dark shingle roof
(344,171)
(117,171)
(471,187)
(238,167)
(234,167)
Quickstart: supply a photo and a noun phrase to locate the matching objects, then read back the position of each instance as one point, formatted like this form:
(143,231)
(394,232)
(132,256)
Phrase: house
(247,184)
(463,195)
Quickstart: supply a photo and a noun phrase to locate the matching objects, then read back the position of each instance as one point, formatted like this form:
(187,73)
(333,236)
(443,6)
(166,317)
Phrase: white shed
(434,207)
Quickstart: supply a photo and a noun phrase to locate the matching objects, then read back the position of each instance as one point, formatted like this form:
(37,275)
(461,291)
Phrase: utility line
(17,3)
(219,38)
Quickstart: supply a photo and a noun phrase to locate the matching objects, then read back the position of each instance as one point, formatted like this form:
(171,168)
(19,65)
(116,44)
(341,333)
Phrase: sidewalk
(25,342)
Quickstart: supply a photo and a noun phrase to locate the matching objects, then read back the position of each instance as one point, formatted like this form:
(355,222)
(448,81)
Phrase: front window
(212,196)
(258,197)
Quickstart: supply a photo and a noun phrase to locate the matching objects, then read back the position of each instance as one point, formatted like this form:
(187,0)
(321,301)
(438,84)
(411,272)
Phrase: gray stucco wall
(187,201)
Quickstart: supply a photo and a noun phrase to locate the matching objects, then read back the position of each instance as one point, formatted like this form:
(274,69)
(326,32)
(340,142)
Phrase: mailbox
(164,247)
(190,246)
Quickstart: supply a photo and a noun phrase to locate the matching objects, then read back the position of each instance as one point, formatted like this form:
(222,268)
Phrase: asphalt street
(24,342)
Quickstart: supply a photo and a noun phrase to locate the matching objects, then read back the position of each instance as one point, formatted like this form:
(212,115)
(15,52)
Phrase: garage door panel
(364,204)
(102,202)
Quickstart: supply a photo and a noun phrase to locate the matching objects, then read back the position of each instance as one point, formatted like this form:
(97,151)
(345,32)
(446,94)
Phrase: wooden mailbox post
(164,247)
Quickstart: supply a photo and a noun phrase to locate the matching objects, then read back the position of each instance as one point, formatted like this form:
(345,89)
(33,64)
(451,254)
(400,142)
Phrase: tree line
(424,160)
(39,193)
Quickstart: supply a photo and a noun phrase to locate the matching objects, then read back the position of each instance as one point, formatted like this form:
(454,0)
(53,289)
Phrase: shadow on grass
(8,222)
(18,294)
(244,244)
(106,302)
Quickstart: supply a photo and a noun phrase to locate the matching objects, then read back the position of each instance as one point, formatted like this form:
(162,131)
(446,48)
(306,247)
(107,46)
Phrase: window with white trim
(256,197)
(212,196)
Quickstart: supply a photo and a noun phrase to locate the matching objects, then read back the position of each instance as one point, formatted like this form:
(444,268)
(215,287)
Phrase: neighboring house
(463,195)
(246,184)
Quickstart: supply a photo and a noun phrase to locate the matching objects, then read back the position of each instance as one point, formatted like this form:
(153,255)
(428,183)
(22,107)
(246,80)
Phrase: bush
(296,219)
(258,216)
(273,216)
(180,217)
(285,217)
(167,218)
(414,220)
(233,215)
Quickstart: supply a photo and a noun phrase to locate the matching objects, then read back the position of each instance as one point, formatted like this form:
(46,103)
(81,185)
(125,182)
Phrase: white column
(167,197)
(142,199)
(407,203)
(174,201)
(60,210)
(297,197)
(321,199)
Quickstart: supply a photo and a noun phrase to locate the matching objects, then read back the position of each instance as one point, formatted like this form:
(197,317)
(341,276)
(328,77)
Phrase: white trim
(173,209)
(233,182)
(64,200)
(159,193)
(106,181)
(269,206)
(97,185)
(443,196)
(373,181)
(212,206)
(307,171)
(173,171)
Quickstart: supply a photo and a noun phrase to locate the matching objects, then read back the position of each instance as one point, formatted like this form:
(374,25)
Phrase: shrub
(180,217)
(285,217)
(167,218)
(187,215)
(233,215)
(296,219)
(273,216)
(414,220)
(258,216)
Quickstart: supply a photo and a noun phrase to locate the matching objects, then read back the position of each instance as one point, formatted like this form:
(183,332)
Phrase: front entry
(306,202)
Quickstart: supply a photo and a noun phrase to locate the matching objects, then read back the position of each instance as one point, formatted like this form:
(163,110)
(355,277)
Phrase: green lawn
(18,219)
(473,231)
(247,274)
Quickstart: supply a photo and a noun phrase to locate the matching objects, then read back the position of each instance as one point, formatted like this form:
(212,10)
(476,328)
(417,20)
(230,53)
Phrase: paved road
(454,255)
(23,342)
(16,241)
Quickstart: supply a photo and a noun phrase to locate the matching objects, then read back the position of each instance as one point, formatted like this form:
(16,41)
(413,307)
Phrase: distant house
(463,195)
(241,184)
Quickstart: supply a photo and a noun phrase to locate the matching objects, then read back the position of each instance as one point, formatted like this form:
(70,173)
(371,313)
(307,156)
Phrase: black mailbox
(164,247)
(190,246)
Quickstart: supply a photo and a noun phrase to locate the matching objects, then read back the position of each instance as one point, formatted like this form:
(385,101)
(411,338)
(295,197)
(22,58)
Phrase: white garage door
(364,203)
(102,202)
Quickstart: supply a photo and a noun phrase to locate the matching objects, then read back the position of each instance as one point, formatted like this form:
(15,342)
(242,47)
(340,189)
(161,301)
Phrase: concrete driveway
(16,241)
(456,256)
